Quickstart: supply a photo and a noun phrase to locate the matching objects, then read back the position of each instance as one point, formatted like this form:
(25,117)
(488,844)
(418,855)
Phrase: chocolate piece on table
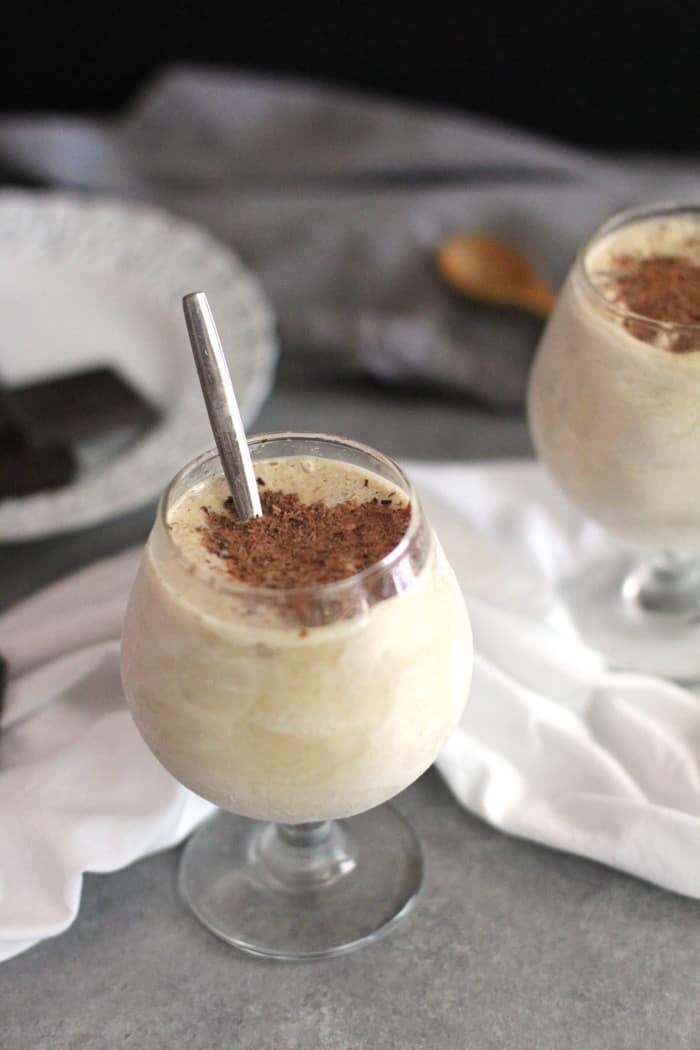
(79,405)
(3,682)
(10,435)
(25,469)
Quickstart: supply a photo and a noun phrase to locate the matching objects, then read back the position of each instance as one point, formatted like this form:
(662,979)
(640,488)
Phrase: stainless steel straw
(222,407)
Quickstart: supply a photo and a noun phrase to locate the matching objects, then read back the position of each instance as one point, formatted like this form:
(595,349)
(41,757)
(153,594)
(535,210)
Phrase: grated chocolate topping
(296,544)
(662,288)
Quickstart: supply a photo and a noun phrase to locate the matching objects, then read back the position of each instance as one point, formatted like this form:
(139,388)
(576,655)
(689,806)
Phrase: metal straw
(222,407)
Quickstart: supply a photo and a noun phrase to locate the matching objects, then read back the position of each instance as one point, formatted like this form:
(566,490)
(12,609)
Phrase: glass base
(302,891)
(641,617)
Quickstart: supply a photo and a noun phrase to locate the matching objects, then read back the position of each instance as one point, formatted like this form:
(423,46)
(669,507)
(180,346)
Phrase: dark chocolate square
(3,682)
(71,407)
(10,434)
(25,469)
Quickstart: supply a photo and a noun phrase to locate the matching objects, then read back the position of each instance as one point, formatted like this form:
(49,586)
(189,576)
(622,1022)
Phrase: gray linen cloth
(337,201)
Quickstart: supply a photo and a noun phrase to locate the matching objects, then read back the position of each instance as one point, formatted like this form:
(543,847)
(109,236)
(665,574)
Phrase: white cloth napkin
(79,790)
(550,747)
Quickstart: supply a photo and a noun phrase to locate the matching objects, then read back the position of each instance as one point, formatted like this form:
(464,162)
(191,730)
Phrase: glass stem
(305,836)
(666,585)
(302,857)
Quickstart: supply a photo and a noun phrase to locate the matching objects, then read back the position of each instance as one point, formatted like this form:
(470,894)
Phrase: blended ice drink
(304,665)
(614,400)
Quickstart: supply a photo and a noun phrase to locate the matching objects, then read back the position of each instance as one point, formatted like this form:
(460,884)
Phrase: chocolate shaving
(297,544)
(661,288)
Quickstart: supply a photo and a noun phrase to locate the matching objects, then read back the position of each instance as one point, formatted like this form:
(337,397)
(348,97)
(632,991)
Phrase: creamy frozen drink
(614,398)
(305,665)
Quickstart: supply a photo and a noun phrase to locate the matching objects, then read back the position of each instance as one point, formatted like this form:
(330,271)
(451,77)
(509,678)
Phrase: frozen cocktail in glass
(299,667)
(614,407)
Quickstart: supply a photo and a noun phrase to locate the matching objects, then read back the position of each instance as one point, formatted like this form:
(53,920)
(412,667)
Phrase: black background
(613,75)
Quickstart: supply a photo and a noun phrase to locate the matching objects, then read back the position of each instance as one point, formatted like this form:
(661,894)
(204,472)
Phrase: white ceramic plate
(95,281)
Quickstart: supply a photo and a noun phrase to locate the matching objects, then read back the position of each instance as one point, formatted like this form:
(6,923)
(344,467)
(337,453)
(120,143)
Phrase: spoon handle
(222,407)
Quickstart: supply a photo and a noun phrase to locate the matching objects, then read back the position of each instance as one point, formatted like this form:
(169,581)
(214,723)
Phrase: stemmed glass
(292,708)
(614,409)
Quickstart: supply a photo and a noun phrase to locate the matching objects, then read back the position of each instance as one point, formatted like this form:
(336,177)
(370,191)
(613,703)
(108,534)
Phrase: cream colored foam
(674,235)
(617,420)
(279,723)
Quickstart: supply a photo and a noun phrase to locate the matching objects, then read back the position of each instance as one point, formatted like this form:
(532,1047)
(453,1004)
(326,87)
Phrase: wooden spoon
(493,271)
